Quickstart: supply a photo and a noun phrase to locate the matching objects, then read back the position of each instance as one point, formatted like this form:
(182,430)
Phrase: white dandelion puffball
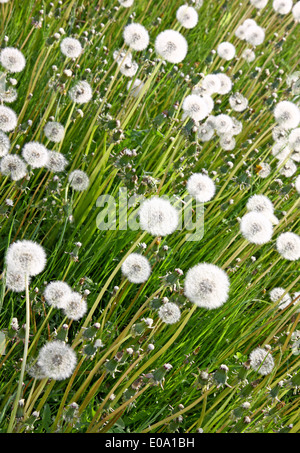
(261,361)
(281,150)
(136,36)
(15,280)
(136,268)
(226,50)
(237,127)
(79,180)
(256,228)
(129,69)
(57,360)
(13,166)
(158,217)
(282,6)
(225,83)
(26,256)
(4,144)
(288,245)
(248,55)
(255,35)
(296,12)
(81,93)
(35,154)
(278,295)
(57,294)
(238,102)
(227,142)
(288,169)
(206,285)
(56,162)
(259,4)
(71,47)
(126,3)
(297,184)
(187,16)
(211,84)
(75,307)
(169,313)
(8,119)
(8,96)
(294,139)
(287,114)
(135,87)
(54,131)
(12,59)
(261,204)
(205,132)
(265,170)
(201,187)
(195,107)
(223,124)
(171,46)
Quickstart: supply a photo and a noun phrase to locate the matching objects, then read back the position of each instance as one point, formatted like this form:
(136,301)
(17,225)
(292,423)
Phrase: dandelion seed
(12,59)
(71,47)
(54,131)
(206,285)
(237,127)
(277,295)
(211,84)
(169,313)
(261,361)
(35,154)
(195,107)
(238,102)
(79,180)
(136,36)
(261,204)
(225,84)
(158,216)
(56,162)
(8,96)
(8,119)
(256,228)
(135,87)
(81,93)
(287,114)
(171,46)
(129,69)
(201,187)
(187,16)
(136,268)
(15,281)
(248,55)
(57,294)
(288,246)
(282,6)
(227,142)
(223,124)
(57,360)
(226,50)
(26,256)
(4,144)
(13,166)
(288,169)
(75,306)
(205,132)
(255,35)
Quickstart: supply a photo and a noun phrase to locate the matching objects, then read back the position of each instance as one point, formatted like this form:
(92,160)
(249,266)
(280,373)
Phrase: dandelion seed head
(205,132)
(294,139)
(169,313)
(201,187)
(206,285)
(282,6)
(225,83)
(4,144)
(26,256)
(12,59)
(255,35)
(171,46)
(136,36)
(223,124)
(259,4)
(13,166)
(135,87)
(136,268)
(35,154)
(211,84)
(126,3)
(288,168)
(297,184)
(75,306)
(288,246)
(15,280)
(226,50)
(261,204)
(71,47)
(187,16)
(54,131)
(56,162)
(57,360)
(277,295)
(287,114)
(261,361)
(248,55)
(265,170)
(8,119)
(227,142)
(238,102)
(158,217)
(195,107)
(79,180)
(81,93)
(57,294)
(296,12)
(9,95)
(256,228)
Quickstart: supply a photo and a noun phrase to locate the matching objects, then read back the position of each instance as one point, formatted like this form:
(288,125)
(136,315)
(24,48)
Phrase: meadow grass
(116,391)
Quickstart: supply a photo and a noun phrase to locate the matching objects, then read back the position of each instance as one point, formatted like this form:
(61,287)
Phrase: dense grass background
(167,153)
